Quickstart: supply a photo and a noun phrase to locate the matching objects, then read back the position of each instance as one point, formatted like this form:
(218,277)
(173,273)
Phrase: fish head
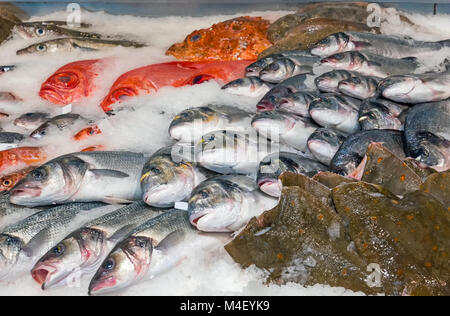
(269,171)
(273,123)
(66,261)
(277,71)
(53,182)
(374,115)
(9,181)
(31,120)
(354,86)
(239,86)
(10,248)
(32,30)
(347,60)
(43,131)
(214,206)
(327,109)
(191,122)
(297,103)
(270,100)
(346,164)
(52,46)
(324,143)
(395,87)
(128,262)
(433,151)
(164,182)
(332,44)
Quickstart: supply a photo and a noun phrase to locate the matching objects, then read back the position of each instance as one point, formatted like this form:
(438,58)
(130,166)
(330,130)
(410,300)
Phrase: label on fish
(66,109)
(181,206)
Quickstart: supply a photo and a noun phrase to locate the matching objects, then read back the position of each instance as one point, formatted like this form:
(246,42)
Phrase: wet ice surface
(207,269)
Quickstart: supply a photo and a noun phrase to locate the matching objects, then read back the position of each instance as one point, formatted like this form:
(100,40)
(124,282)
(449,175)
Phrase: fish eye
(204,194)
(325,40)
(339,56)
(210,138)
(109,264)
(155,170)
(43,132)
(196,37)
(58,250)
(7,183)
(41,47)
(425,152)
(38,174)
(40,31)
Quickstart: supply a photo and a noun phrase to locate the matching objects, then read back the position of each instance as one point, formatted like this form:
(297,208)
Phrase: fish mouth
(99,285)
(264,106)
(42,273)
(195,218)
(271,187)
(52,96)
(28,191)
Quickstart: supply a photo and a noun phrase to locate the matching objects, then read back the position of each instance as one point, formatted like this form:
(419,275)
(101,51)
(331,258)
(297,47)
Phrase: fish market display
(429,87)
(165,181)
(83,177)
(31,236)
(191,124)
(384,45)
(82,251)
(381,114)
(274,165)
(308,145)
(148,251)
(427,134)
(237,39)
(226,203)
(72,82)
(151,78)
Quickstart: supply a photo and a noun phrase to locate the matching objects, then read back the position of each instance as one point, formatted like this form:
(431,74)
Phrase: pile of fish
(322,112)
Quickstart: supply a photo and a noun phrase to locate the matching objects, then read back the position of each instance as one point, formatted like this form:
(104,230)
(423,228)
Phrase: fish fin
(109,173)
(38,240)
(361,44)
(171,240)
(115,200)
(121,233)
(86,49)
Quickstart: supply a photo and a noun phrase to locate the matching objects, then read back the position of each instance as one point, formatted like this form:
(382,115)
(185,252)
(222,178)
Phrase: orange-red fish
(9,181)
(30,156)
(93,148)
(237,39)
(72,82)
(86,132)
(153,77)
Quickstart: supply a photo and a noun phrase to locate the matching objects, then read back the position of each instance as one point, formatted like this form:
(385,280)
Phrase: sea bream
(372,65)
(329,81)
(352,151)
(248,86)
(380,44)
(285,128)
(378,113)
(70,44)
(285,67)
(22,243)
(28,30)
(229,152)
(227,203)
(32,120)
(272,166)
(83,250)
(166,179)
(324,143)
(304,82)
(191,124)
(109,176)
(427,134)
(336,111)
(359,87)
(297,103)
(148,251)
(428,87)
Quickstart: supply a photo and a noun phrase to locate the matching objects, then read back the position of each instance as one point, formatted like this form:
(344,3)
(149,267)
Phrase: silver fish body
(10,140)
(248,87)
(82,251)
(191,124)
(324,143)
(58,124)
(329,81)
(166,180)
(284,68)
(226,203)
(32,120)
(147,252)
(29,30)
(359,87)
(112,177)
